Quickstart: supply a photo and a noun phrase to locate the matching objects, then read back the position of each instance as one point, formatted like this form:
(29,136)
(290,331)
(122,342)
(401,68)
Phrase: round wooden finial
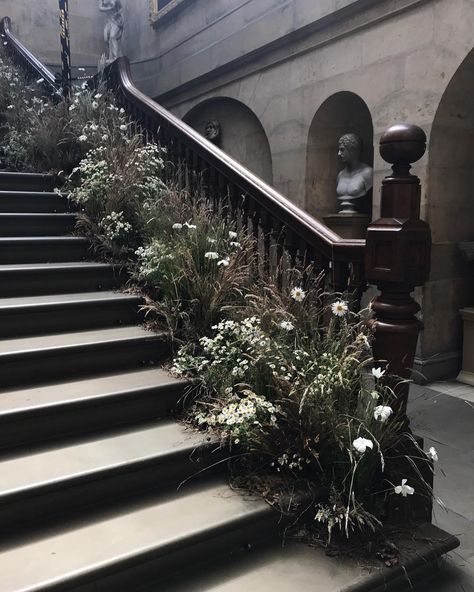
(403,144)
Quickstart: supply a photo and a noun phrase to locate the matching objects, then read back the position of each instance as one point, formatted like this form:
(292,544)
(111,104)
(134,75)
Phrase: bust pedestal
(467,373)
(348,225)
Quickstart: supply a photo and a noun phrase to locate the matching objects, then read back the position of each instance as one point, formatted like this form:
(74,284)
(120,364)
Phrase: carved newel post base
(398,258)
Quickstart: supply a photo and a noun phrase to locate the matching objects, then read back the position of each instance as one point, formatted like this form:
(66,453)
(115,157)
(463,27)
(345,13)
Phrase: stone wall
(36,24)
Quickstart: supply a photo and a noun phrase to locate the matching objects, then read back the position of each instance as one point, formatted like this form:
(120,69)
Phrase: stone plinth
(348,225)
(467,373)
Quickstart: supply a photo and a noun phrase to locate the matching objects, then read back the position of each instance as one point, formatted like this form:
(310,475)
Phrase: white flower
(94,127)
(10,107)
(382,412)
(361,444)
(223,262)
(72,107)
(40,80)
(404,489)
(432,454)
(121,111)
(98,96)
(235,245)
(374,395)
(339,308)
(211,240)
(190,226)
(94,105)
(82,138)
(298,294)
(378,372)
(232,234)
(105,137)
(211,255)
(177,226)
(287,325)
(123,127)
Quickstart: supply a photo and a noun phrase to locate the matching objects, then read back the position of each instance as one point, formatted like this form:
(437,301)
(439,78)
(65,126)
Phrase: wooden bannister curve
(25,58)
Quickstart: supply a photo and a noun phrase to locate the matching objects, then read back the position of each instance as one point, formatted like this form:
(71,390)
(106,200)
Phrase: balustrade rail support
(398,258)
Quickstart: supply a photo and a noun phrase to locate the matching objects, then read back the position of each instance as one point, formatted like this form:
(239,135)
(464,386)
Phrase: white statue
(356,178)
(113,29)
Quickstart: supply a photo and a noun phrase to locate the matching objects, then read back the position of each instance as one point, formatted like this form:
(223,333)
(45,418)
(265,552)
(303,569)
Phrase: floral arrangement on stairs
(282,372)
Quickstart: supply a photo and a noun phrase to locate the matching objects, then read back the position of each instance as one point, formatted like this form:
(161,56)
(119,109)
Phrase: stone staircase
(91,457)
(101,490)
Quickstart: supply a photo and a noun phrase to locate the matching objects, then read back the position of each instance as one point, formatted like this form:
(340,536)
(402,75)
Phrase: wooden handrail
(274,219)
(25,58)
(303,225)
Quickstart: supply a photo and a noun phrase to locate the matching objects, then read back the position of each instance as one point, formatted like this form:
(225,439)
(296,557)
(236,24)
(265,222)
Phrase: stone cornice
(168,12)
(339,24)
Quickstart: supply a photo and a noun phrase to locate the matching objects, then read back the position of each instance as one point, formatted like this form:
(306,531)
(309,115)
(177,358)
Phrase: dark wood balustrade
(274,219)
(33,68)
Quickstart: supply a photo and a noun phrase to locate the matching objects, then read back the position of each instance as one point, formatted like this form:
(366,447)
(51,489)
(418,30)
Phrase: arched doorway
(450,212)
(242,134)
(343,112)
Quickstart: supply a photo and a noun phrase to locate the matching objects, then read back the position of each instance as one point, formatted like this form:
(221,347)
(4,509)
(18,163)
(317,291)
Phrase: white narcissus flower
(382,412)
(98,96)
(298,294)
(211,255)
(10,107)
(287,325)
(378,372)
(105,137)
(361,445)
(232,234)
(123,127)
(177,226)
(72,107)
(374,395)
(432,454)
(82,138)
(211,240)
(235,245)
(223,262)
(339,308)
(95,104)
(404,489)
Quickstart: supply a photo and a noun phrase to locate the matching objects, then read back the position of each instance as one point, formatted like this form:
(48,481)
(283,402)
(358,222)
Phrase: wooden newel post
(398,257)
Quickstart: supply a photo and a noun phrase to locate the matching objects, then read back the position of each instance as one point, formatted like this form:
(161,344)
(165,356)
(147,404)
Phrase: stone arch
(450,212)
(242,134)
(343,112)
(451,159)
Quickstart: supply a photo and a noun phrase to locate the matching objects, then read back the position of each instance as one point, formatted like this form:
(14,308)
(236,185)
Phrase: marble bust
(355,179)
(113,29)
(213,131)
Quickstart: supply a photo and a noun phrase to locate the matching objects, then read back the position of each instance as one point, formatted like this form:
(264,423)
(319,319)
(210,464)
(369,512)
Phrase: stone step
(33,201)
(297,567)
(59,409)
(10,181)
(32,360)
(31,315)
(30,279)
(42,249)
(36,224)
(124,548)
(36,487)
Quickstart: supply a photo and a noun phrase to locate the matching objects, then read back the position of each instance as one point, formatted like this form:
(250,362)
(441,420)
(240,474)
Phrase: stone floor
(443,413)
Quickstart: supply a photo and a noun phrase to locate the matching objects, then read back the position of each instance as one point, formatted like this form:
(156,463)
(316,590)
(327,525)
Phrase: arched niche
(450,203)
(342,113)
(242,134)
